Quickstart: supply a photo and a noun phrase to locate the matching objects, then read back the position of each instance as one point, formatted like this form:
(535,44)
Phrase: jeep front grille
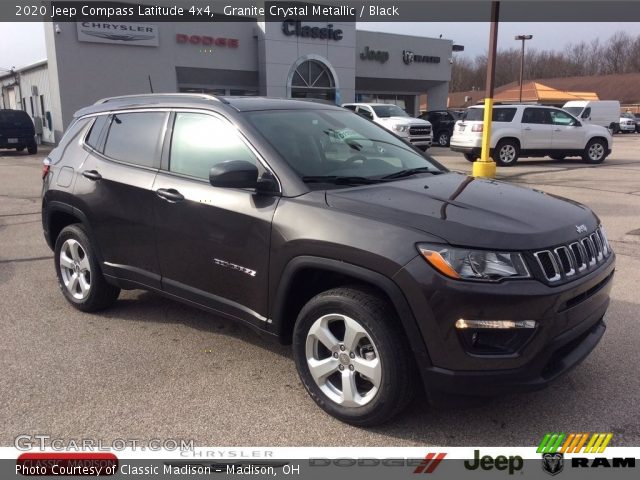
(426,130)
(567,261)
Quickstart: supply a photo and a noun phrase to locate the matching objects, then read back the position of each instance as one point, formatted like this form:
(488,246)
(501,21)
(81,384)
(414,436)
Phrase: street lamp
(523,38)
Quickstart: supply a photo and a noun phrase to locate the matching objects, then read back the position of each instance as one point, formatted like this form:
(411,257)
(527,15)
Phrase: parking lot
(153,368)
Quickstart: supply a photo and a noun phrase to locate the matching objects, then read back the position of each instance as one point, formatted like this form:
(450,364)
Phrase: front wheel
(352,356)
(470,157)
(595,151)
(506,153)
(443,139)
(79,275)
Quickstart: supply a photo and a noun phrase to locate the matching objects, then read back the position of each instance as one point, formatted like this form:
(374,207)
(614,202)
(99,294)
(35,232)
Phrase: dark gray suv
(316,227)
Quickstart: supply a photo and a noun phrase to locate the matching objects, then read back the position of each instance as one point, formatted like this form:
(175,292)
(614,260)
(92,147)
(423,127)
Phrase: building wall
(84,72)
(34,96)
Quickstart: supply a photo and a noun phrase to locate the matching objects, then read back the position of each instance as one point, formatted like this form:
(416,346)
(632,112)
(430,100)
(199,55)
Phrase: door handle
(557,130)
(527,128)
(92,175)
(170,194)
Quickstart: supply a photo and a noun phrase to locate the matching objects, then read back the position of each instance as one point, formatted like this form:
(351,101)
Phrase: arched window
(313,79)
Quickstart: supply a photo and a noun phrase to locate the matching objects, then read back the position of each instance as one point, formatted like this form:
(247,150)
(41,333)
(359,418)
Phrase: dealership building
(331,61)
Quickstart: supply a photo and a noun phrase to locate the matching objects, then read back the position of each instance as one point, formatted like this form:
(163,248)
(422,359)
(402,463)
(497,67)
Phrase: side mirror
(576,124)
(234,174)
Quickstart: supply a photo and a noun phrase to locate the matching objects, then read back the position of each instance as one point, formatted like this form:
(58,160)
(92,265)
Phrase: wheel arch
(306,276)
(598,137)
(58,215)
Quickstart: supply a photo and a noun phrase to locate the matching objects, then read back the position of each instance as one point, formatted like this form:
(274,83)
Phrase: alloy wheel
(507,154)
(596,151)
(343,360)
(75,269)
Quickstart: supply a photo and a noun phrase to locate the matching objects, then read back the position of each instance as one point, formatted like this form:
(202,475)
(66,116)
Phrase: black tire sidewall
(588,159)
(378,409)
(499,147)
(78,233)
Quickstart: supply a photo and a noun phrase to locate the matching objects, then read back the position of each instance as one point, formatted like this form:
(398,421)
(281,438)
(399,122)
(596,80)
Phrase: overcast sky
(25,41)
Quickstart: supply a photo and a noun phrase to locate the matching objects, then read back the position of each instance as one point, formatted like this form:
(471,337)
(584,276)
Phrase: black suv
(17,131)
(318,228)
(443,122)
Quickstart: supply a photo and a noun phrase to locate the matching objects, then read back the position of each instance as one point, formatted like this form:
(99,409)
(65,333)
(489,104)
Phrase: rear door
(114,190)
(537,131)
(566,134)
(213,243)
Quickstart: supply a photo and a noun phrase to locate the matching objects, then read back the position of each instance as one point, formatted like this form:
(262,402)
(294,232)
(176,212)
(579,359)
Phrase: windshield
(575,111)
(628,115)
(386,111)
(330,145)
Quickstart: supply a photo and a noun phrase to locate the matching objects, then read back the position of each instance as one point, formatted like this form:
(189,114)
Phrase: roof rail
(153,95)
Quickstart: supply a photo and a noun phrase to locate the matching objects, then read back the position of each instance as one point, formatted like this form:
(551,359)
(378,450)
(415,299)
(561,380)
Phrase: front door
(566,134)
(213,243)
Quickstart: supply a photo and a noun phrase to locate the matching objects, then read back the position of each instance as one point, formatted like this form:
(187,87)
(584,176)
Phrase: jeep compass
(321,229)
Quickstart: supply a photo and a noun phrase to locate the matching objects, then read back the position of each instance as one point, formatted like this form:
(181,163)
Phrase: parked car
(530,131)
(319,228)
(628,123)
(605,113)
(414,130)
(637,117)
(442,123)
(17,131)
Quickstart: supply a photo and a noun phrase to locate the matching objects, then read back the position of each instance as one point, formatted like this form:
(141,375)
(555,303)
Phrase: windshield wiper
(338,180)
(409,172)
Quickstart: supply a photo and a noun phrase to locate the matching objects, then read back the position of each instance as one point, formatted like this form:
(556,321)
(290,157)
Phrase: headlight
(401,128)
(464,264)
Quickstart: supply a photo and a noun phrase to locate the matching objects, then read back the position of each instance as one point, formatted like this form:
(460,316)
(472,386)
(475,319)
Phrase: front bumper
(628,127)
(421,141)
(569,326)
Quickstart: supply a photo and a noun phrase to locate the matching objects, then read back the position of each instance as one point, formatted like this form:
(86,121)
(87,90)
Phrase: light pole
(523,38)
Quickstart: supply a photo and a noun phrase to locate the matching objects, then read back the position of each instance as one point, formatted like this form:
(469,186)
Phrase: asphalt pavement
(153,368)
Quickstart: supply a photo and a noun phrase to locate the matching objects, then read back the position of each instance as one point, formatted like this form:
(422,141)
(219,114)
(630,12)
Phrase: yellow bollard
(485,166)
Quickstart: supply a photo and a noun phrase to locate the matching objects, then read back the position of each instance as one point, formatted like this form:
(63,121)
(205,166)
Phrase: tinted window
(536,115)
(135,138)
(350,107)
(561,118)
(499,114)
(14,119)
(96,129)
(201,141)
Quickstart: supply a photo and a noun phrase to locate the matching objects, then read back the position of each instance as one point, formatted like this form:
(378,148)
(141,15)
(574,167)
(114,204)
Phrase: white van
(605,113)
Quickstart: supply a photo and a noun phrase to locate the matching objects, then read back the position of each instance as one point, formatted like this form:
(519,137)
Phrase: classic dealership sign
(139,34)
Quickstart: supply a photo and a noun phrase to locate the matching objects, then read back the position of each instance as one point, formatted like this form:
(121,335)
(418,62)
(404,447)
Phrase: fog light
(494,324)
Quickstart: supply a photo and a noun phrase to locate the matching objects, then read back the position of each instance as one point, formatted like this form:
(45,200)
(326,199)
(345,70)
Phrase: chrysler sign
(141,34)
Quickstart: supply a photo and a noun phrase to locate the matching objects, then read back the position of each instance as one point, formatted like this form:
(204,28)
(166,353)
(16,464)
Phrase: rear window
(15,119)
(135,138)
(499,114)
(96,129)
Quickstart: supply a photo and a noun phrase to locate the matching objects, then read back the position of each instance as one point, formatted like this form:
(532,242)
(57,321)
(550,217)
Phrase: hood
(470,212)
(404,120)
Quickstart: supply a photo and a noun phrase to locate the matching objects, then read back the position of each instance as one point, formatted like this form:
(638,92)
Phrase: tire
(79,275)
(32,149)
(442,139)
(558,157)
(379,348)
(595,152)
(506,153)
(470,157)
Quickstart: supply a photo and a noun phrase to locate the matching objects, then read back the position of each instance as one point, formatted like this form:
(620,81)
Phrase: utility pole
(523,38)
(485,166)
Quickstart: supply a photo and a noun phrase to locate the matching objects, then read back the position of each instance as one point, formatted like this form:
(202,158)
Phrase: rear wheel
(79,275)
(595,151)
(32,149)
(506,153)
(470,157)
(352,357)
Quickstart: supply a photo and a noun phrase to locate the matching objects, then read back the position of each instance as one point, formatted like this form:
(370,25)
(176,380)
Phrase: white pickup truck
(415,130)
